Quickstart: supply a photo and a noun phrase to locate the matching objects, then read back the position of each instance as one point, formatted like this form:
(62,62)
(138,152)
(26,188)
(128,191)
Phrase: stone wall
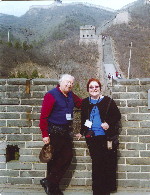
(20,104)
(134,153)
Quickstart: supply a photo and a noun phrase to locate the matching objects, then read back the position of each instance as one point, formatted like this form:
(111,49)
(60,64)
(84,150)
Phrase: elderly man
(55,120)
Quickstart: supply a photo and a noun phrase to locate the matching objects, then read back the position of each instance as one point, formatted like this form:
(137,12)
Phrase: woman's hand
(46,140)
(78,136)
(105,126)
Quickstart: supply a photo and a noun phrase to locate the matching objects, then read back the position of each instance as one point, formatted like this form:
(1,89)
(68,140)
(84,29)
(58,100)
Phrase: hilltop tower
(88,34)
(146,2)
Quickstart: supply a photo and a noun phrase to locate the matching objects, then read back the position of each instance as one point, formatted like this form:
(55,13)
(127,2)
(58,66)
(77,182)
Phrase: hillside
(137,32)
(53,38)
(56,22)
(47,40)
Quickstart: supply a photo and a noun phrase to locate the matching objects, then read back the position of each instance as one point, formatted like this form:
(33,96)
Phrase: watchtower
(88,34)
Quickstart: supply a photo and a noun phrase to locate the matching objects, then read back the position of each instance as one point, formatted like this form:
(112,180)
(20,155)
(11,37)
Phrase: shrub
(34,74)
(17,45)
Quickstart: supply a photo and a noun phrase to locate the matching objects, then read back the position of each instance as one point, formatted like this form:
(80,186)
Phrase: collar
(57,87)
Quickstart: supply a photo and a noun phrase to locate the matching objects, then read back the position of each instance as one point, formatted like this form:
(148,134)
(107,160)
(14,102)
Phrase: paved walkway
(109,68)
(37,190)
(108,58)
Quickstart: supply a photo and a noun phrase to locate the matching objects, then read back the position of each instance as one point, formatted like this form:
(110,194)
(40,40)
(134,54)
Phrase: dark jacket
(112,117)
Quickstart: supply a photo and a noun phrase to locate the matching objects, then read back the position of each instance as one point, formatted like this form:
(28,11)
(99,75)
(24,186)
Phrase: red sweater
(46,110)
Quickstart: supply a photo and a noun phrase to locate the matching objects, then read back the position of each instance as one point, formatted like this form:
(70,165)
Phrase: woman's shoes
(98,193)
(58,191)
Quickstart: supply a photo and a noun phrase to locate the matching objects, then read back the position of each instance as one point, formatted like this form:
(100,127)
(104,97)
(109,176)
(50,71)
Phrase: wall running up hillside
(20,103)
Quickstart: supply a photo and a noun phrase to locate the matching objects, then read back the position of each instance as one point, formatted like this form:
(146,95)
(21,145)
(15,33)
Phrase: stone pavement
(37,190)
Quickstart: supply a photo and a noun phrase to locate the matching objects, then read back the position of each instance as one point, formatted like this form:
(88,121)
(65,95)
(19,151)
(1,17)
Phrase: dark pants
(104,163)
(62,157)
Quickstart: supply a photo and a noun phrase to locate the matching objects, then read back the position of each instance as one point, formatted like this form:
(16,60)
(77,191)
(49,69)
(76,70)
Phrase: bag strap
(108,107)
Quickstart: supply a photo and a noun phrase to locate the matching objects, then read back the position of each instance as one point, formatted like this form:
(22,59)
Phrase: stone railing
(134,154)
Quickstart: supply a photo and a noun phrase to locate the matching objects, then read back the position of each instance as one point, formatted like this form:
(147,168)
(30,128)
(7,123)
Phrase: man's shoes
(50,188)
(44,183)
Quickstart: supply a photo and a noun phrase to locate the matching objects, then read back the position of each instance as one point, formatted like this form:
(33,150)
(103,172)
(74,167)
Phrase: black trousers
(62,157)
(104,163)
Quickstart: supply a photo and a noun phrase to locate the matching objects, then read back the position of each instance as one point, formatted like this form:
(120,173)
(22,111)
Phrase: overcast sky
(19,8)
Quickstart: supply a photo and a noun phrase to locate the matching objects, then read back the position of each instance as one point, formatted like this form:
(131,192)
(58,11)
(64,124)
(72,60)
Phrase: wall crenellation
(20,104)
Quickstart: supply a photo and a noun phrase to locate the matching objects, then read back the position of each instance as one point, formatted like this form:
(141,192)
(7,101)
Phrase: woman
(99,115)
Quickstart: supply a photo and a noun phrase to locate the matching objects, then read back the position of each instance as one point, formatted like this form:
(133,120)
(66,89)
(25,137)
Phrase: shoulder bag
(113,141)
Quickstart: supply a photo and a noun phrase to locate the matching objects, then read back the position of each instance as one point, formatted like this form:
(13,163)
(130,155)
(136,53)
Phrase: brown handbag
(46,153)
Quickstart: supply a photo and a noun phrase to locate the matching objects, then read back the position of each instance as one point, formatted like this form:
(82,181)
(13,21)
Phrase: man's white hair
(66,77)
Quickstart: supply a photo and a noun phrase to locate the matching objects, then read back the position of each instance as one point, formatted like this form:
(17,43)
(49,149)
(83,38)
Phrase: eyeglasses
(94,87)
(69,83)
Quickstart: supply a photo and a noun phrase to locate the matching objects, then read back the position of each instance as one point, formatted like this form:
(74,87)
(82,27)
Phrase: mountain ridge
(54,35)
(46,21)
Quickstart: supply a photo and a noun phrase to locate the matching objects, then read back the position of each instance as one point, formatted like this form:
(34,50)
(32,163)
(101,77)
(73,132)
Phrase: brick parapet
(131,95)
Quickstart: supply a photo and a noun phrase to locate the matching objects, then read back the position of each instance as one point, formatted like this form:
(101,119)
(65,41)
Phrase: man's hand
(46,140)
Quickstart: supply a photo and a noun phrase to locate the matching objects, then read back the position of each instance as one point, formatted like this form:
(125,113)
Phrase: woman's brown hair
(93,79)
